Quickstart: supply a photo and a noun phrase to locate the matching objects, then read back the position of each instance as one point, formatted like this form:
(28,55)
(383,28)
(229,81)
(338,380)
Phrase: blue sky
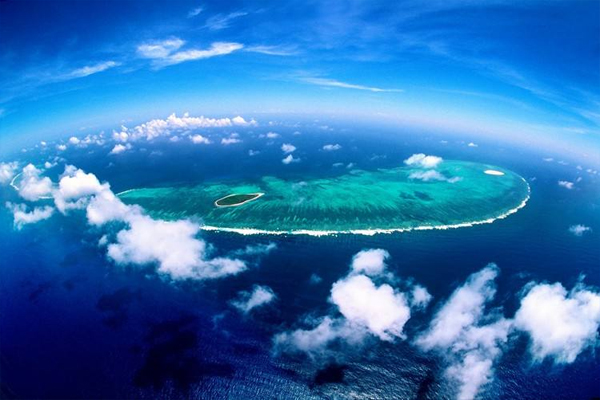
(528,70)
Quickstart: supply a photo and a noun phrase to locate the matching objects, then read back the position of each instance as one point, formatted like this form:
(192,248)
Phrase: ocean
(75,325)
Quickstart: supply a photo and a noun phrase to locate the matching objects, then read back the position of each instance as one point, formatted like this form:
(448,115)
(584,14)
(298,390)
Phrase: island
(234,200)
(455,194)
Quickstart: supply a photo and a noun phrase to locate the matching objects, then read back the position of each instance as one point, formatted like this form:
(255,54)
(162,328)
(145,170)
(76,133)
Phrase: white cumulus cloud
(32,186)
(7,171)
(579,230)
(199,139)
(247,301)
(560,324)
(468,339)
(290,159)
(423,161)
(288,148)
(566,184)
(332,147)
(21,215)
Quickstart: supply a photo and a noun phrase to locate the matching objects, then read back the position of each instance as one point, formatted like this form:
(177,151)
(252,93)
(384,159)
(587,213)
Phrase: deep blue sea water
(74,325)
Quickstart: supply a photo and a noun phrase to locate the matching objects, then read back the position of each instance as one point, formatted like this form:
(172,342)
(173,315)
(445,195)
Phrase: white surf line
(370,232)
(493,172)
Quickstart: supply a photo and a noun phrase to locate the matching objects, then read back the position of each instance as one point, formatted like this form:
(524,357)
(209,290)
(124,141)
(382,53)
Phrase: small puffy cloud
(566,184)
(560,324)
(370,262)
(253,152)
(423,161)
(247,301)
(364,309)
(381,309)
(269,135)
(32,186)
(74,140)
(199,139)
(288,148)
(230,140)
(120,148)
(290,159)
(61,147)
(471,144)
(7,172)
(420,297)
(173,246)
(21,216)
(579,230)
(468,339)
(332,147)
(240,121)
(74,188)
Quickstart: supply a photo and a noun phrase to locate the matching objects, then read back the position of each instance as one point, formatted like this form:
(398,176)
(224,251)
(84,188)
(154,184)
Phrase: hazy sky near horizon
(508,68)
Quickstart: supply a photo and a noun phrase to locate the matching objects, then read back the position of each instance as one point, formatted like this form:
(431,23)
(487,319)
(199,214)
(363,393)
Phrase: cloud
(363,309)
(252,153)
(91,69)
(23,217)
(566,184)
(290,159)
(164,127)
(579,230)
(423,161)
(74,188)
(288,148)
(61,147)
(471,144)
(194,12)
(381,309)
(420,297)
(256,250)
(272,50)
(32,186)
(334,83)
(369,262)
(560,324)
(427,176)
(247,301)
(159,49)
(199,139)
(230,140)
(269,135)
(7,171)
(221,21)
(105,207)
(332,147)
(173,246)
(216,49)
(468,339)
(119,148)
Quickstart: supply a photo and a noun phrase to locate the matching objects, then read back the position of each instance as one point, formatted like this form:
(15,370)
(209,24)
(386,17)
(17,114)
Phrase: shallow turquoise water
(359,201)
